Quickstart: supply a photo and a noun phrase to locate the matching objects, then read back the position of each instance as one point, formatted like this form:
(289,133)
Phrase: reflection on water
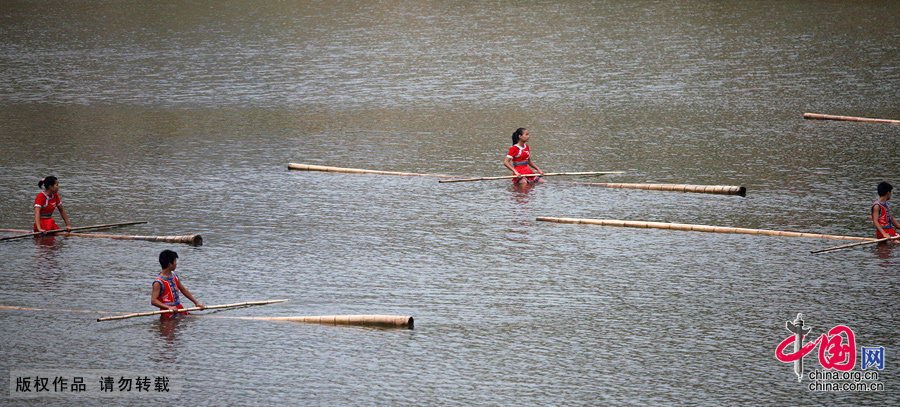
(520,215)
(167,348)
(522,191)
(885,251)
(47,267)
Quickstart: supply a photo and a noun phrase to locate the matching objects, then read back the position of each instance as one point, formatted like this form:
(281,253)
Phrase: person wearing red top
(885,224)
(519,161)
(166,287)
(44,205)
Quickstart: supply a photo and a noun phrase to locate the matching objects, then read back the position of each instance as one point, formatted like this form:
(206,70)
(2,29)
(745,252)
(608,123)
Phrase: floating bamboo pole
(855,244)
(705,189)
(533,175)
(847,118)
(195,240)
(386,321)
(307,167)
(110,225)
(697,228)
(144,314)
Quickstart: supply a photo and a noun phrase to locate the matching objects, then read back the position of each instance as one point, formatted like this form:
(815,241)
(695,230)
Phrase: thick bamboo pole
(144,314)
(847,118)
(697,228)
(307,167)
(195,240)
(387,321)
(109,225)
(535,175)
(705,189)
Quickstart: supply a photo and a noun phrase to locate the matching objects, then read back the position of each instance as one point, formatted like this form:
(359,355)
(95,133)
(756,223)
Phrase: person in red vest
(519,161)
(44,205)
(885,224)
(166,287)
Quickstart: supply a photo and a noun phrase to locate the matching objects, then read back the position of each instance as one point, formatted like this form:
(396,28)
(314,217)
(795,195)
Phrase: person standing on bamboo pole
(885,224)
(167,286)
(44,205)
(519,161)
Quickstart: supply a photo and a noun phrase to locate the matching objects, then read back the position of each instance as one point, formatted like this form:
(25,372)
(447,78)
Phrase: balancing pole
(533,175)
(307,167)
(73,229)
(855,244)
(847,118)
(144,314)
(384,321)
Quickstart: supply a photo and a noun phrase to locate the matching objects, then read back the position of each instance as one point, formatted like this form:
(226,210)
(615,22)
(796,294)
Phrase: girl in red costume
(881,214)
(518,160)
(166,287)
(44,205)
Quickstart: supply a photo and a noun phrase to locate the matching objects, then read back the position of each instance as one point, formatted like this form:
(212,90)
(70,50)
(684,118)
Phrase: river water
(186,115)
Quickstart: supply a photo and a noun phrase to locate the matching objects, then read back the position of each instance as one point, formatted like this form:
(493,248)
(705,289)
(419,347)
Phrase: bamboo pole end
(848,118)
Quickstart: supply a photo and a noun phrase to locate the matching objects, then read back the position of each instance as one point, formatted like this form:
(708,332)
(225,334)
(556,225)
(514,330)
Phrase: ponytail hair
(47,182)
(517,133)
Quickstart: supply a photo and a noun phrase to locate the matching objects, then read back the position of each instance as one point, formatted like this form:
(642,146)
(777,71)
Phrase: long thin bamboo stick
(73,229)
(847,118)
(855,244)
(389,321)
(697,228)
(535,175)
(144,314)
(705,189)
(308,167)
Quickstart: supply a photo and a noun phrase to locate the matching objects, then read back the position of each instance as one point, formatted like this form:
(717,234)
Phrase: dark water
(186,114)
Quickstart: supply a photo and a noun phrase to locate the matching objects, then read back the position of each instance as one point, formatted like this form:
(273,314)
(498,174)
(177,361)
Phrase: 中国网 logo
(837,356)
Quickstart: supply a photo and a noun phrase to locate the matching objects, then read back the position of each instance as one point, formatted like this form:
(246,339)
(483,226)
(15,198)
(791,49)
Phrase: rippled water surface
(186,115)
